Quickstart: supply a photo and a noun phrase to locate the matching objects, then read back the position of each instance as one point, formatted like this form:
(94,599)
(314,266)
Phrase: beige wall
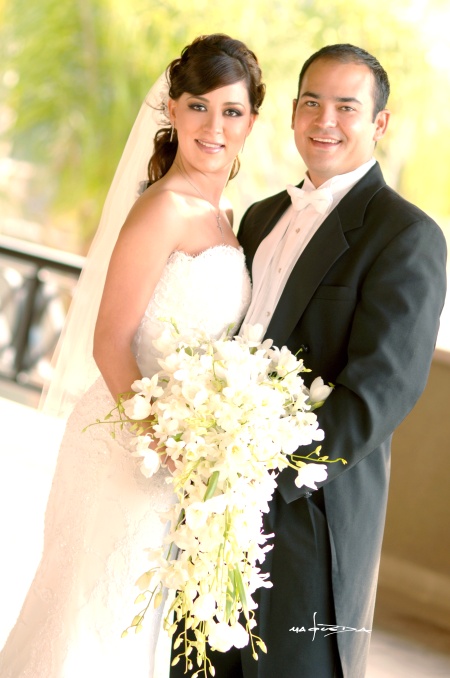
(416,550)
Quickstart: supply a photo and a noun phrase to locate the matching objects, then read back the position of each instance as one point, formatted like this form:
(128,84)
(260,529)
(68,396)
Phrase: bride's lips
(209,146)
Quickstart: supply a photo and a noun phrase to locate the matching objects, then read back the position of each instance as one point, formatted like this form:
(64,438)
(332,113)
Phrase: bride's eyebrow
(225,103)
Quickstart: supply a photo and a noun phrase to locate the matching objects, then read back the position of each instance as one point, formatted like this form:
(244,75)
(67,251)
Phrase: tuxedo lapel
(327,245)
(271,218)
(324,249)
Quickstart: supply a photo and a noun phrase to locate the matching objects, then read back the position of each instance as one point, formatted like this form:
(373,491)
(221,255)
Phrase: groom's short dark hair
(346,53)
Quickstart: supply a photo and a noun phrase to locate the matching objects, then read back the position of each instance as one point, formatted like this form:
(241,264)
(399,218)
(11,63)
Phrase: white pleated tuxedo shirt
(278,253)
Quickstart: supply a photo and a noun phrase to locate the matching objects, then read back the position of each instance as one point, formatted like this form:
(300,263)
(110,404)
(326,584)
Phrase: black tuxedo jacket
(364,300)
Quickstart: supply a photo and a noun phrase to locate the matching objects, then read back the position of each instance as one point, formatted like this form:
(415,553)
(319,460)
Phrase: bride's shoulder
(160,200)
(157,209)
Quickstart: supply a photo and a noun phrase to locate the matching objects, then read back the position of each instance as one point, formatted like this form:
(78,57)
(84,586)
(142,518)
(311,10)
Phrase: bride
(176,256)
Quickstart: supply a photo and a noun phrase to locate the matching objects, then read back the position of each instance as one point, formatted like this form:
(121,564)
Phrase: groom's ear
(294,108)
(381,123)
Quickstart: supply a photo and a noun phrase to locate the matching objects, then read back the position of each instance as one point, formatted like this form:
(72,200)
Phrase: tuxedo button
(304,348)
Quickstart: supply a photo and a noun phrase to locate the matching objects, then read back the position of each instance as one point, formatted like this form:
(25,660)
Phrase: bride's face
(212,127)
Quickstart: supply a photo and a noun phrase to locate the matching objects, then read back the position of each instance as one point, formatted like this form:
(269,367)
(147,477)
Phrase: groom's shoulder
(267,206)
(372,190)
(397,209)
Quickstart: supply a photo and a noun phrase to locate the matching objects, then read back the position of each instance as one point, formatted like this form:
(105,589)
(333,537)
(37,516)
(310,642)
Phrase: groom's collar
(341,183)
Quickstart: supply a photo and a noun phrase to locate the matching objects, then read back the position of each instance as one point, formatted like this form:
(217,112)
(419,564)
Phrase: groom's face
(333,118)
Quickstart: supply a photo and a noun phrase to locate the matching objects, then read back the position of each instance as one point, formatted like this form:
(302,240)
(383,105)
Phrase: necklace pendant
(219,224)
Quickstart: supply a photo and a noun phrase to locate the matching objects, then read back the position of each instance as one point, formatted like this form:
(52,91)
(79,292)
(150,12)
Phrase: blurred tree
(75,72)
(73,76)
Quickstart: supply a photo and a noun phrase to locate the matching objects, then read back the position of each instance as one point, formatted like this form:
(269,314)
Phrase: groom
(354,276)
(351,274)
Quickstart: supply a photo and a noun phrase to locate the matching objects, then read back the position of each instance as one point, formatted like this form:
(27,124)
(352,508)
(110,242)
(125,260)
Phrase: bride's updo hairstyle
(209,62)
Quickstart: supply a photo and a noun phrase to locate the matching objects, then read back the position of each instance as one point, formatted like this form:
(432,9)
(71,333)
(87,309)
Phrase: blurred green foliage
(73,75)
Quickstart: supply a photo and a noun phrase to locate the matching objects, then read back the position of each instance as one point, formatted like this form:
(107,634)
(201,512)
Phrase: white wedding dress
(103,513)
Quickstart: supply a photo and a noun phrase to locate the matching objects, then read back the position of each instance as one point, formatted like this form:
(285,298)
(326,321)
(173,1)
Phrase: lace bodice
(209,291)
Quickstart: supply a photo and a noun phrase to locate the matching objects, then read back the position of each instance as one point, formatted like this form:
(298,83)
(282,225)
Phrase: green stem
(211,487)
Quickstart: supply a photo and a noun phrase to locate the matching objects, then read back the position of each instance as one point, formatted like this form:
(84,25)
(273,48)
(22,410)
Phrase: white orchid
(175,574)
(252,335)
(151,461)
(204,607)
(148,387)
(319,392)
(141,444)
(137,408)
(285,362)
(222,636)
(310,474)
(229,413)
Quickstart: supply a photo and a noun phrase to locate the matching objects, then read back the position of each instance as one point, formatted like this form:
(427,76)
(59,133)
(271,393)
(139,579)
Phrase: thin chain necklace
(216,215)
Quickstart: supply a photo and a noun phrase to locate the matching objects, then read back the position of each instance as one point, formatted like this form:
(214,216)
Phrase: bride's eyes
(197,107)
(229,112)
(233,112)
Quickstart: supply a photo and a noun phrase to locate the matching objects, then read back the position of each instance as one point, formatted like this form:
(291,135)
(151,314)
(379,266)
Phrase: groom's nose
(326,116)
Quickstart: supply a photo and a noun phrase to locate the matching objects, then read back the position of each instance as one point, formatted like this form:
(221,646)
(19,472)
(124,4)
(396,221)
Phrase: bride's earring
(235,167)
(171,133)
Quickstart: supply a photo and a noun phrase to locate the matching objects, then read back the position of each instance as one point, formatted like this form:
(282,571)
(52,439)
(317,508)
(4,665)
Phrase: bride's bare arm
(149,235)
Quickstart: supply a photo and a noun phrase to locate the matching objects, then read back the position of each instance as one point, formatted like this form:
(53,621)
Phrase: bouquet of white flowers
(230,413)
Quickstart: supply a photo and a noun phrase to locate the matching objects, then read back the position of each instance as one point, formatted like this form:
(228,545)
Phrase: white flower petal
(137,408)
(318,391)
(204,607)
(310,474)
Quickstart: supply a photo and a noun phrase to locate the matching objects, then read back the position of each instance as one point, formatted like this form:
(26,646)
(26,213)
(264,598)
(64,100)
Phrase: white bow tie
(320,198)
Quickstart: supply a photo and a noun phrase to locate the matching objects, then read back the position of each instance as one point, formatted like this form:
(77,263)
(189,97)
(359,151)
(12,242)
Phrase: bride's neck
(208,186)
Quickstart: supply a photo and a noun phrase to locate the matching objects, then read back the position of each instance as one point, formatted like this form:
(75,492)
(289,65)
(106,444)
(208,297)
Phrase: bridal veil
(74,368)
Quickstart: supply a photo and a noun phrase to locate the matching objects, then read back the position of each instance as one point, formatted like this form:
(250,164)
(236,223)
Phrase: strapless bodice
(209,291)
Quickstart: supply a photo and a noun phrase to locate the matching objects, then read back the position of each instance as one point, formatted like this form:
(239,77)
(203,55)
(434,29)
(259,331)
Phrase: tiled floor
(402,645)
